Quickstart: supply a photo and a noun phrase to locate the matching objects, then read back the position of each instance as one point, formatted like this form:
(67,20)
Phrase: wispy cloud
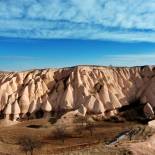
(128,59)
(84,19)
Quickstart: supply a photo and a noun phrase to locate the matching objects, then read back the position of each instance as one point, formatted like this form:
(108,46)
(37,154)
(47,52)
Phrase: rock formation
(87,89)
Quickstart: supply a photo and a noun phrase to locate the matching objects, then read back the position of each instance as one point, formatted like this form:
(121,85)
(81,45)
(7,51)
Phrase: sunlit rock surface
(87,89)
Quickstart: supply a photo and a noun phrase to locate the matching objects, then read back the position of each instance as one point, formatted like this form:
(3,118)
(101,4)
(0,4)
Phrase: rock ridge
(91,89)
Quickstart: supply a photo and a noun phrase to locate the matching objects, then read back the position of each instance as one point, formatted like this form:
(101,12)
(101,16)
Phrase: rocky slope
(91,89)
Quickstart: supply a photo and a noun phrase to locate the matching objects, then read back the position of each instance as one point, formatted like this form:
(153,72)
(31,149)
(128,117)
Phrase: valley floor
(103,138)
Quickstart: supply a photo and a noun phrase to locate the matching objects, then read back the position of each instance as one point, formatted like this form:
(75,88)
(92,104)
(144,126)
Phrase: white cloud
(84,19)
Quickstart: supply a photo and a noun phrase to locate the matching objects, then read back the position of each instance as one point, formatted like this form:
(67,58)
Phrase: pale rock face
(68,98)
(15,110)
(24,104)
(151,124)
(4,100)
(148,111)
(47,108)
(82,110)
(33,107)
(90,103)
(7,111)
(84,89)
(98,107)
(31,90)
(39,103)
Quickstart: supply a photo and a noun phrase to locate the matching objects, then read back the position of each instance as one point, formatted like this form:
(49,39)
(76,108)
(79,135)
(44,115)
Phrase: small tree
(90,127)
(61,133)
(28,144)
(79,129)
(85,124)
(131,134)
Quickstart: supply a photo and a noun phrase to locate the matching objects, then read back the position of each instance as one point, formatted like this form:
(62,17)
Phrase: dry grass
(103,132)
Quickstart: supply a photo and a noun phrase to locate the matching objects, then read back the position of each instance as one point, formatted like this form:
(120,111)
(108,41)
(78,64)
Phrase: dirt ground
(80,141)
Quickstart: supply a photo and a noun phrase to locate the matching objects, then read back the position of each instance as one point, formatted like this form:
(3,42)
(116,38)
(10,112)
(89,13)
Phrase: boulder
(151,124)
(148,111)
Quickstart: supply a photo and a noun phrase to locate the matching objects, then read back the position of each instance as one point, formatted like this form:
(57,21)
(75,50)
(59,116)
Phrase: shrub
(28,144)
(90,127)
(61,133)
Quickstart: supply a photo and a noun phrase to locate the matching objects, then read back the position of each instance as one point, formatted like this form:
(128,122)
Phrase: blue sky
(59,33)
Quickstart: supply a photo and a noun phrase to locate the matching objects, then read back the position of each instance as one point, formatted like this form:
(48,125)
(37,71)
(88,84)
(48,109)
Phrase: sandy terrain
(103,132)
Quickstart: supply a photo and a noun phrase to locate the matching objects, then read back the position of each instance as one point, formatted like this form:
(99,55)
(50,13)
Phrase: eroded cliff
(91,89)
